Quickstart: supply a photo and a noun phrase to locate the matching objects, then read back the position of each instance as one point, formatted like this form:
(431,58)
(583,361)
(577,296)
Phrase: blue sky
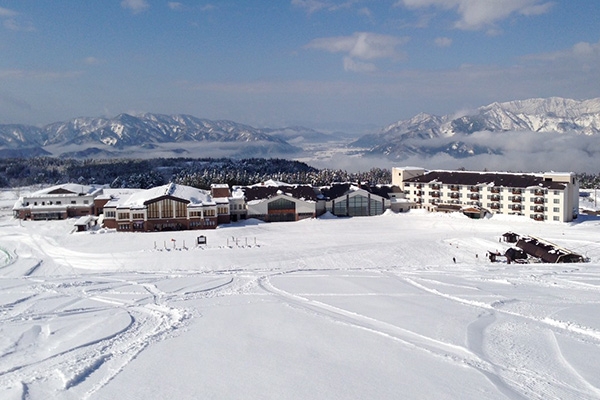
(320,63)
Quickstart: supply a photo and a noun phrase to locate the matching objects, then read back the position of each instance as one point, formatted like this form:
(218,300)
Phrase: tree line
(200,173)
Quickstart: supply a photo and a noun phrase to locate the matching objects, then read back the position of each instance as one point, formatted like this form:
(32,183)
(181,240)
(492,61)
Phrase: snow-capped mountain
(125,132)
(414,136)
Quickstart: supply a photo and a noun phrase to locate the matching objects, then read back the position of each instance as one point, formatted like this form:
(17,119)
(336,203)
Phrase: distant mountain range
(157,135)
(426,134)
(150,133)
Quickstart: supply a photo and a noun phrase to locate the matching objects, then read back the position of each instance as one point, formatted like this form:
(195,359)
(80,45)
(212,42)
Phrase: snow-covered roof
(67,189)
(196,197)
(271,183)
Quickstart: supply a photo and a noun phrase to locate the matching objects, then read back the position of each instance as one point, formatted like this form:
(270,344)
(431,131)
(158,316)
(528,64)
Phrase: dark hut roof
(546,251)
(486,178)
(305,192)
(340,189)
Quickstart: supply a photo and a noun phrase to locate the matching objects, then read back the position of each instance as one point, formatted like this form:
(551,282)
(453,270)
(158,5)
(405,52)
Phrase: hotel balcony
(517,199)
(495,189)
(495,197)
(516,207)
(538,200)
(435,186)
(454,188)
(474,189)
(435,194)
(538,209)
(495,206)
(538,192)
(538,217)
(517,191)
(454,196)
(474,196)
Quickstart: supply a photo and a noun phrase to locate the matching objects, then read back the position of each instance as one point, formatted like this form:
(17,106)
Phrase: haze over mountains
(536,126)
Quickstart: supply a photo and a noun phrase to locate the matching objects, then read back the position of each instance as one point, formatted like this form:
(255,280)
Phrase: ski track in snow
(74,319)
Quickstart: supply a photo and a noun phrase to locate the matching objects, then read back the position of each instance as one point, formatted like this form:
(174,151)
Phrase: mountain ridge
(417,135)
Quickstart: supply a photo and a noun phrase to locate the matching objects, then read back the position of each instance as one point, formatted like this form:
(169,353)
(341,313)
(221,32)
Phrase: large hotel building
(547,196)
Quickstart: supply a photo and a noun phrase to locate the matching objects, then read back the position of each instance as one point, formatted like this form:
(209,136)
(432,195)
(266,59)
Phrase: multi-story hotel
(546,196)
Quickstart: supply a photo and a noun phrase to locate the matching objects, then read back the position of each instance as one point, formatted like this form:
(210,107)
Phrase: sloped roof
(487,178)
(341,189)
(193,195)
(259,192)
(67,189)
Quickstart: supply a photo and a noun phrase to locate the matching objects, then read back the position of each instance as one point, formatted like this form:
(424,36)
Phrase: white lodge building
(549,196)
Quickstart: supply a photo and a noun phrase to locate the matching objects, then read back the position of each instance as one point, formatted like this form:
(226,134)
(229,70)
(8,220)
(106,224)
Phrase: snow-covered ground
(362,308)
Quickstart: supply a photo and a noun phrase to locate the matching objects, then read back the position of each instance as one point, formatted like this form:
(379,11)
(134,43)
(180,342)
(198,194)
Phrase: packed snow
(328,308)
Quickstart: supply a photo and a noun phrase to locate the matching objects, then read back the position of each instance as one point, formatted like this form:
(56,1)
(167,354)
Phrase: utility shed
(547,252)
(85,223)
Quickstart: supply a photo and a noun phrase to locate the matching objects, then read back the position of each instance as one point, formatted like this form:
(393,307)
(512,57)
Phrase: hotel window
(556,201)
(209,213)
(109,214)
(123,215)
(138,215)
(556,209)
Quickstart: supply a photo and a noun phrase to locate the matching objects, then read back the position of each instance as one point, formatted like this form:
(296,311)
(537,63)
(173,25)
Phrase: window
(376,207)
(57,203)
(180,209)
(339,208)
(153,210)
(73,202)
(358,206)
(556,218)
(195,214)
(282,204)
(556,201)
(123,227)
(222,210)
(167,208)
(123,215)
(556,209)
(138,216)
(86,202)
(109,214)
(209,213)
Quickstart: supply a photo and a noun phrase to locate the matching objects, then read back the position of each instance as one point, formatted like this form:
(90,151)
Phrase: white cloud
(175,5)
(14,25)
(312,6)
(38,75)
(363,45)
(358,66)
(5,12)
(136,6)
(443,42)
(480,14)
(10,21)
(91,61)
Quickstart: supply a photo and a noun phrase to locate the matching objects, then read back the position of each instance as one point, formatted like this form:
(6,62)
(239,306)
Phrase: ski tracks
(526,368)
